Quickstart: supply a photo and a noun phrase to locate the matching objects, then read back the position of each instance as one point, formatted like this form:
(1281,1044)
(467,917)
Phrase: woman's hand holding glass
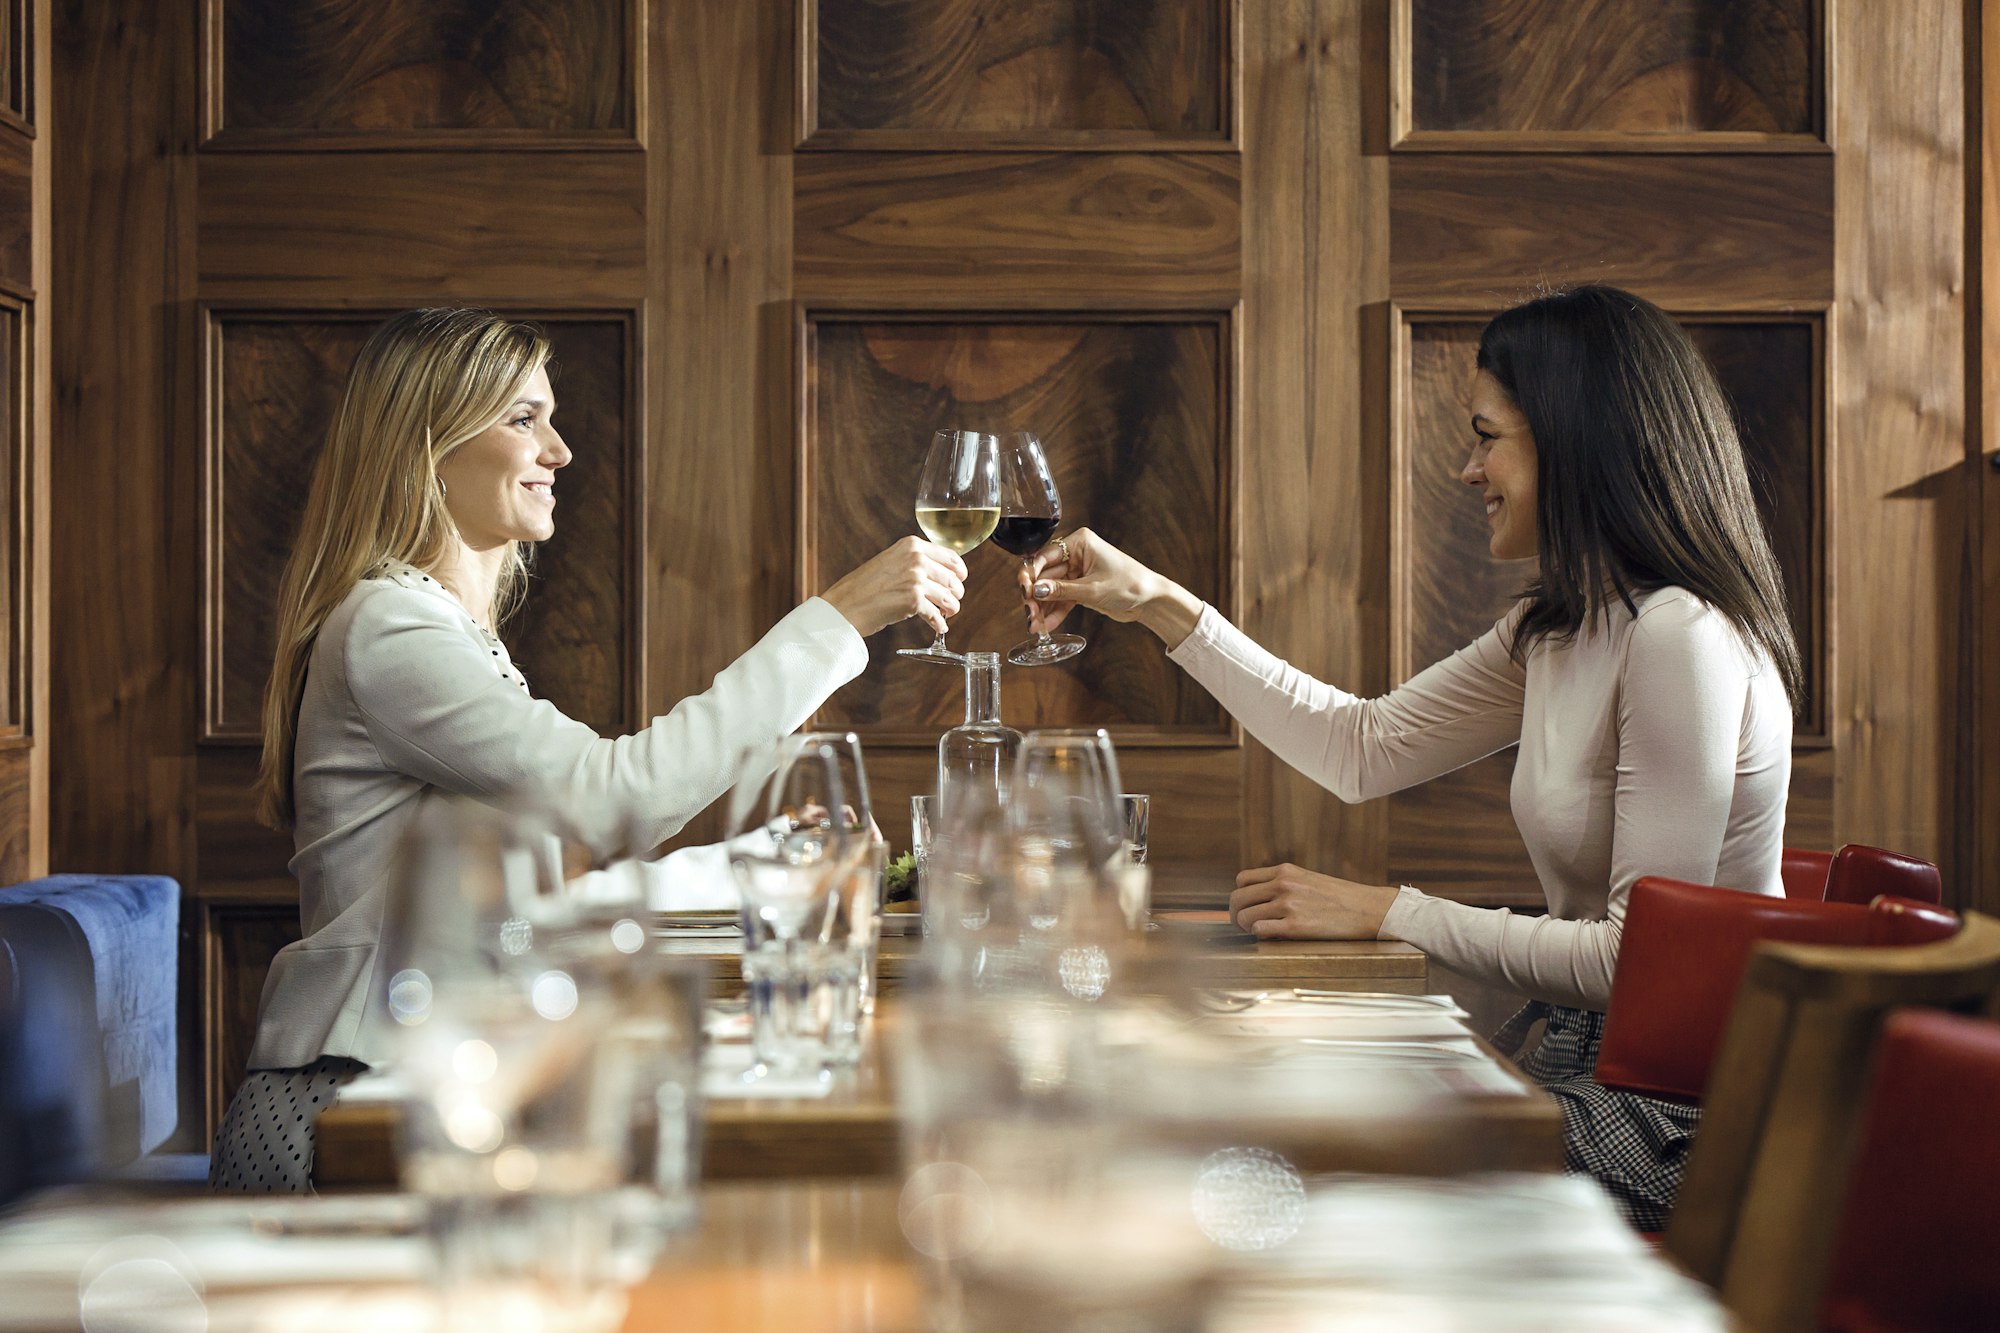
(912,578)
(1086,570)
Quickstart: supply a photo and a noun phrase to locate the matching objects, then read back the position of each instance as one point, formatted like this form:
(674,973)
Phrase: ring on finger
(1062,549)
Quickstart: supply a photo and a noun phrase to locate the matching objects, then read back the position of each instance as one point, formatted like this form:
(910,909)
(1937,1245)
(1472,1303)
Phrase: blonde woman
(390,682)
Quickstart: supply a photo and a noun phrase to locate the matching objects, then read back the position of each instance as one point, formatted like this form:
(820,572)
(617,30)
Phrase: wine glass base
(933,653)
(1046,652)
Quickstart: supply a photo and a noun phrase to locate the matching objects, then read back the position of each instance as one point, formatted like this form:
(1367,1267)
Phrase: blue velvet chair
(89,971)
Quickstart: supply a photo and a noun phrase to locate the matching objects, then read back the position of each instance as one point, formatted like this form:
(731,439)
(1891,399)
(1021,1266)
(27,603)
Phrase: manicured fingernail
(1042,589)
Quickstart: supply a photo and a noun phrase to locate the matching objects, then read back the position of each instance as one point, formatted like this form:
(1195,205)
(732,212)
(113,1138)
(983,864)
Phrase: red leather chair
(1920,1229)
(1862,874)
(1858,874)
(1681,959)
(1805,873)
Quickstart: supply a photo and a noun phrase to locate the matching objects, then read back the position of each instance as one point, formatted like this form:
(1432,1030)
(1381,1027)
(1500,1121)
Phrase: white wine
(958,529)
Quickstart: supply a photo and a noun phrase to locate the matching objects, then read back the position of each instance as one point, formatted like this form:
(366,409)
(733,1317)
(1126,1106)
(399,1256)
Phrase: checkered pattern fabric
(1635,1147)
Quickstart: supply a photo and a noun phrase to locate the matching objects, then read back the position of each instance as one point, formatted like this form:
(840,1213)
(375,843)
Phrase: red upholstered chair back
(1804,873)
(1920,1229)
(1861,874)
(1681,959)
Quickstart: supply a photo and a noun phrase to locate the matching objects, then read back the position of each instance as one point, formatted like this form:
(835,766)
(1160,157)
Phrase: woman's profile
(391,684)
(1647,674)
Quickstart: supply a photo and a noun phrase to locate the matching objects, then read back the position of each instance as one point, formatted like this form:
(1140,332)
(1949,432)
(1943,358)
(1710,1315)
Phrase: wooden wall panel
(19,55)
(416,228)
(1982,788)
(278,379)
(18,812)
(1471,230)
(17,174)
(1082,72)
(1900,392)
(532,67)
(1456,832)
(1051,230)
(18,687)
(1133,415)
(238,939)
(1313,541)
(1615,67)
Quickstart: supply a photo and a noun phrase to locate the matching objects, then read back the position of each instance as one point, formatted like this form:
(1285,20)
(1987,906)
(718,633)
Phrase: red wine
(1024,534)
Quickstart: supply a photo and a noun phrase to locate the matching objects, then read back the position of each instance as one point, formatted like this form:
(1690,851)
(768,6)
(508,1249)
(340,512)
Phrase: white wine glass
(958,504)
(1030,512)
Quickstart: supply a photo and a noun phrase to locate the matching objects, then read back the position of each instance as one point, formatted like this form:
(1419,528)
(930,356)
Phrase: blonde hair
(424,383)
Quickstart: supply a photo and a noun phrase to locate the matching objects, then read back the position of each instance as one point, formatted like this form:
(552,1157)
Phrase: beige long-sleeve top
(407,697)
(1655,744)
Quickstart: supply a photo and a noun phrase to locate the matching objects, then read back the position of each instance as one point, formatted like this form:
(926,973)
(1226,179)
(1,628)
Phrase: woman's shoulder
(1674,619)
(389,598)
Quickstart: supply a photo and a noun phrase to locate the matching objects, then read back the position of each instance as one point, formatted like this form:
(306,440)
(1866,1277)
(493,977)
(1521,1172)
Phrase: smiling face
(500,484)
(1503,465)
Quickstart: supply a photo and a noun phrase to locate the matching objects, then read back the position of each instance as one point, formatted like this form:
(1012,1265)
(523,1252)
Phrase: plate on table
(720,921)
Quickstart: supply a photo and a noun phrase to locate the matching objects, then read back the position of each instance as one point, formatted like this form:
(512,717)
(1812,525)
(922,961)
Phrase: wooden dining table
(854,1130)
(1213,953)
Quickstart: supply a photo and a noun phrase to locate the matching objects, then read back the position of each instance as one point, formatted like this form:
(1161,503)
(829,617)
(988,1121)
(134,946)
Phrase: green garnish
(899,882)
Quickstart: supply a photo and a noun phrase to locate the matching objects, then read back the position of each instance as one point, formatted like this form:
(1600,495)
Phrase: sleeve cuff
(1207,629)
(1401,920)
(829,632)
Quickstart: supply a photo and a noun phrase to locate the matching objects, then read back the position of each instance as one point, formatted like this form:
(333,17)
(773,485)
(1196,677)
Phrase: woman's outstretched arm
(1448,715)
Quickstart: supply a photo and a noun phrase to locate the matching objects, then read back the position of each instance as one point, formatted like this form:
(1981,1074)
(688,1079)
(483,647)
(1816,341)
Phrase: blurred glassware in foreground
(854,911)
(517,1127)
(796,849)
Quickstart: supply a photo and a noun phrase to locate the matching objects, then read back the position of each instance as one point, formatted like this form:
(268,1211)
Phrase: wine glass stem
(1028,568)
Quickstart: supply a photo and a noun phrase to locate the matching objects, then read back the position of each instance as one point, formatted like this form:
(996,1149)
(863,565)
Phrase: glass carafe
(976,758)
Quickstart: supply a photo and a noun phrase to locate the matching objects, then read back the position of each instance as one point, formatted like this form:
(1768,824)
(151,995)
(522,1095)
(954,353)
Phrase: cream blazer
(407,696)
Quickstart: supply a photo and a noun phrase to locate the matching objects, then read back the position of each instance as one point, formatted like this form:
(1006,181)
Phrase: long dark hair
(1640,475)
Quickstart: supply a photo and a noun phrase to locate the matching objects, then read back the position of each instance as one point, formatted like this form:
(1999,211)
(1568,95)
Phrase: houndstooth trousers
(265,1144)
(1635,1147)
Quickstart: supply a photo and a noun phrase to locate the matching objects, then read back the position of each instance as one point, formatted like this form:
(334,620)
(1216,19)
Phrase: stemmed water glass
(1030,511)
(958,503)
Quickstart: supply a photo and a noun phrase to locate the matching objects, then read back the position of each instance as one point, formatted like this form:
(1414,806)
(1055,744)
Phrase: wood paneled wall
(25,221)
(1227,256)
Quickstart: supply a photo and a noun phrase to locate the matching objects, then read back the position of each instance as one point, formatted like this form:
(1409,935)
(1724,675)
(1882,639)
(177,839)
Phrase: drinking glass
(516,1128)
(1079,768)
(793,853)
(958,504)
(1030,512)
(1138,814)
(853,916)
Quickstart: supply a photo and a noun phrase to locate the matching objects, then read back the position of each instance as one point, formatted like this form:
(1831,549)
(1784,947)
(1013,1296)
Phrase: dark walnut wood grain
(403,65)
(238,942)
(1057,228)
(16,211)
(1756,232)
(423,228)
(1647,66)
(1032,65)
(16,815)
(280,380)
(15,552)
(1132,416)
(1456,832)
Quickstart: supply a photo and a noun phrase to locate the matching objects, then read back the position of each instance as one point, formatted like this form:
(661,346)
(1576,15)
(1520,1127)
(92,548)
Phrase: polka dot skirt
(265,1145)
